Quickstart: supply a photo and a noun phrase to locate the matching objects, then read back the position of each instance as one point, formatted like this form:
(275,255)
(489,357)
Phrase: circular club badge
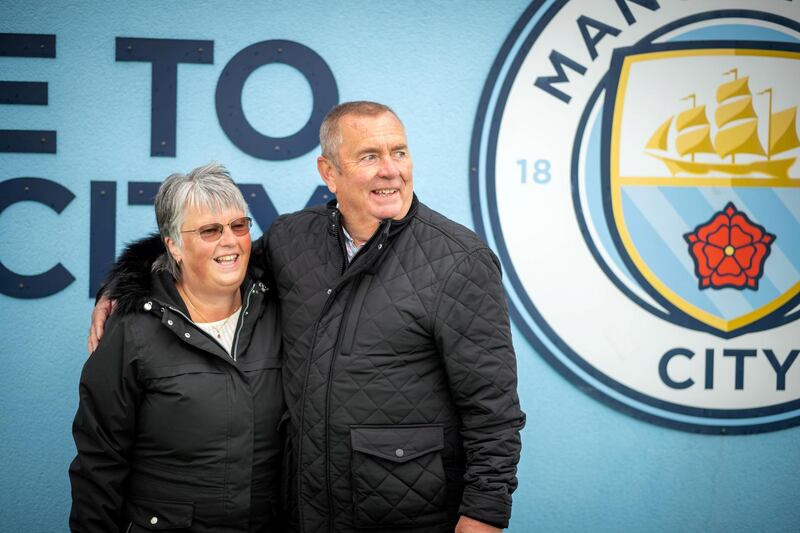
(635,166)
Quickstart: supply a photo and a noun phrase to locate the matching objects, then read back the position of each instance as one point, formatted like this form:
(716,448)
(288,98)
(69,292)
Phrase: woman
(179,406)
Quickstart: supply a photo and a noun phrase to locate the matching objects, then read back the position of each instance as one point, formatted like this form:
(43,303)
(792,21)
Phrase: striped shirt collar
(350,245)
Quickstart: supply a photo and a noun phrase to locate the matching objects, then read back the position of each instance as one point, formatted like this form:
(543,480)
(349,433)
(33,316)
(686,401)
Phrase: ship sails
(783,131)
(737,133)
(693,132)
(736,104)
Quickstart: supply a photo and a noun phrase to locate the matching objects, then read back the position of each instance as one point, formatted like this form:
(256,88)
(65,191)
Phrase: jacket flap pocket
(259,364)
(159,514)
(178,370)
(398,444)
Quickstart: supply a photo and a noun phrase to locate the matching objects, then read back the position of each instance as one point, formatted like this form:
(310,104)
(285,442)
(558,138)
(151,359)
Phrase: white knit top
(223,330)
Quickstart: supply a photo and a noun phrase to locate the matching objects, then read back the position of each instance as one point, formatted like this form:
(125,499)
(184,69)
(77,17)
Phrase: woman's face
(217,267)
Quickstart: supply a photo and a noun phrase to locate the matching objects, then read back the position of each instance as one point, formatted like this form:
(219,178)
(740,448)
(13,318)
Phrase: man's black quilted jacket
(399,374)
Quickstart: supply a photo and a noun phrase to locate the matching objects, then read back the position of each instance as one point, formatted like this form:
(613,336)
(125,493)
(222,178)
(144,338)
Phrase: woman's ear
(173,250)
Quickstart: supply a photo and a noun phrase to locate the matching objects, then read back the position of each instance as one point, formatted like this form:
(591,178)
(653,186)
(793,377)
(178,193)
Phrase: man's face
(374,178)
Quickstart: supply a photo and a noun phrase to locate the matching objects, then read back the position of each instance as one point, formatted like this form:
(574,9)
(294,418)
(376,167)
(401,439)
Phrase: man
(399,373)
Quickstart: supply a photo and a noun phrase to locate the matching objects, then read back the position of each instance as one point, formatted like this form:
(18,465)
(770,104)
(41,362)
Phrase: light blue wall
(585,467)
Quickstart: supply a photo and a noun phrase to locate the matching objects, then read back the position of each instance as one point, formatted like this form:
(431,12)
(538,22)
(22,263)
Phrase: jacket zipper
(334,291)
(343,248)
(336,346)
(238,330)
(346,263)
(301,424)
(353,314)
(325,307)
(250,290)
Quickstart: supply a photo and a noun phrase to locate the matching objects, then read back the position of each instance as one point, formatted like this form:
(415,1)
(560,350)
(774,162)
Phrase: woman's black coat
(172,432)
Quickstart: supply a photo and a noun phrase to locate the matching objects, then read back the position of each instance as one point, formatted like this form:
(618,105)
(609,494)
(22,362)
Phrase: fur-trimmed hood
(130,280)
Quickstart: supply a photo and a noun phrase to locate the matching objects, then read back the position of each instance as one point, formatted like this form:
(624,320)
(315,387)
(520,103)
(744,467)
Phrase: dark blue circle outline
(532,338)
(235,124)
(776,318)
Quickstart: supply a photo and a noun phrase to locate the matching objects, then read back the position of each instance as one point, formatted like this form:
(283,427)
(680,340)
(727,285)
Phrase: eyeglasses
(213,232)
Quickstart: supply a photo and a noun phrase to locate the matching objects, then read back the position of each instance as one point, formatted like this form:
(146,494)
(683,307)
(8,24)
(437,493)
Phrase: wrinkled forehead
(384,127)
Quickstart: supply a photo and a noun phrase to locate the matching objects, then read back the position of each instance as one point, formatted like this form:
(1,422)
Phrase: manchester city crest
(635,166)
(718,170)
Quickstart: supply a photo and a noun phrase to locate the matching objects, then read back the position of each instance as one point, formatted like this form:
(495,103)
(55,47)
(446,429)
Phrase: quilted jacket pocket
(397,474)
(159,514)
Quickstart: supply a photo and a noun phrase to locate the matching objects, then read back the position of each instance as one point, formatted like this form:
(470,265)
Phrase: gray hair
(209,187)
(330,135)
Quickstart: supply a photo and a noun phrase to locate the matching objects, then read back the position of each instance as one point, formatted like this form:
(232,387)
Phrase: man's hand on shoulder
(470,525)
(100,314)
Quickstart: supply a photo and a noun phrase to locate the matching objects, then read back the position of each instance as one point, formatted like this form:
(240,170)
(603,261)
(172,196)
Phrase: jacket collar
(371,255)
(394,226)
(175,316)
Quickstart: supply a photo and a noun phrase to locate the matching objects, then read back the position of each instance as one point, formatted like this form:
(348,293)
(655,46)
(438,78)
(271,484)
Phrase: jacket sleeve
(104,432)
(473,335)
(259,256)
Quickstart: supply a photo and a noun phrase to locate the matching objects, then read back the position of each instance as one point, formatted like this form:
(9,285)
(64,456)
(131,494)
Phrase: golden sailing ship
(737,133)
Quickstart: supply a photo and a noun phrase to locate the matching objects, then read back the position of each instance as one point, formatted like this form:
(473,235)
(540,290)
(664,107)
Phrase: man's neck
(360,233)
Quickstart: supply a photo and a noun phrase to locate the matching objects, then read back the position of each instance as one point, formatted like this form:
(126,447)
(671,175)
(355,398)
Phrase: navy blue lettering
(142,192)
(27,45)
(23,92)
(584,23)
(781,369)
(740,356)
(103,232)
(164,54)
(28,141)
(709,368)
(652,5)
(662,368)
(261,207)
(558,60)
(55,196)
(229,98)
(321,195)
(26,93)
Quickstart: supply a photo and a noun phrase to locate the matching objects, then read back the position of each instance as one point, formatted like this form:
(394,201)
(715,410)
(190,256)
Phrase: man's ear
(173,249)
(327,171)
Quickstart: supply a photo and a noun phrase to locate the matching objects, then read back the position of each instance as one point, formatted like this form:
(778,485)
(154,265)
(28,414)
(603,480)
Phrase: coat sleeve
(473,335)
(259,255)
(104,432)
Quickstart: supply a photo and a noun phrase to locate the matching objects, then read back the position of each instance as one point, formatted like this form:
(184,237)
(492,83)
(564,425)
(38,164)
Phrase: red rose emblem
(729,250)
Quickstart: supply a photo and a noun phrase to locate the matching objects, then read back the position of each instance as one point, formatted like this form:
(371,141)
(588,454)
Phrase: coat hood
(130,281)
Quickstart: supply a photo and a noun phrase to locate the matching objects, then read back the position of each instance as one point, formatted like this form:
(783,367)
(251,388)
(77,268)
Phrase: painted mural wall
(633,163)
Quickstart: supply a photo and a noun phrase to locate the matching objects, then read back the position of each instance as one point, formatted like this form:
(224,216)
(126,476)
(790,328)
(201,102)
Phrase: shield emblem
(702,179)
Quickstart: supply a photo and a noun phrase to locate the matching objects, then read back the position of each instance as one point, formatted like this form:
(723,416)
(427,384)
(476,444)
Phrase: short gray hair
(330,135)
(209,187)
